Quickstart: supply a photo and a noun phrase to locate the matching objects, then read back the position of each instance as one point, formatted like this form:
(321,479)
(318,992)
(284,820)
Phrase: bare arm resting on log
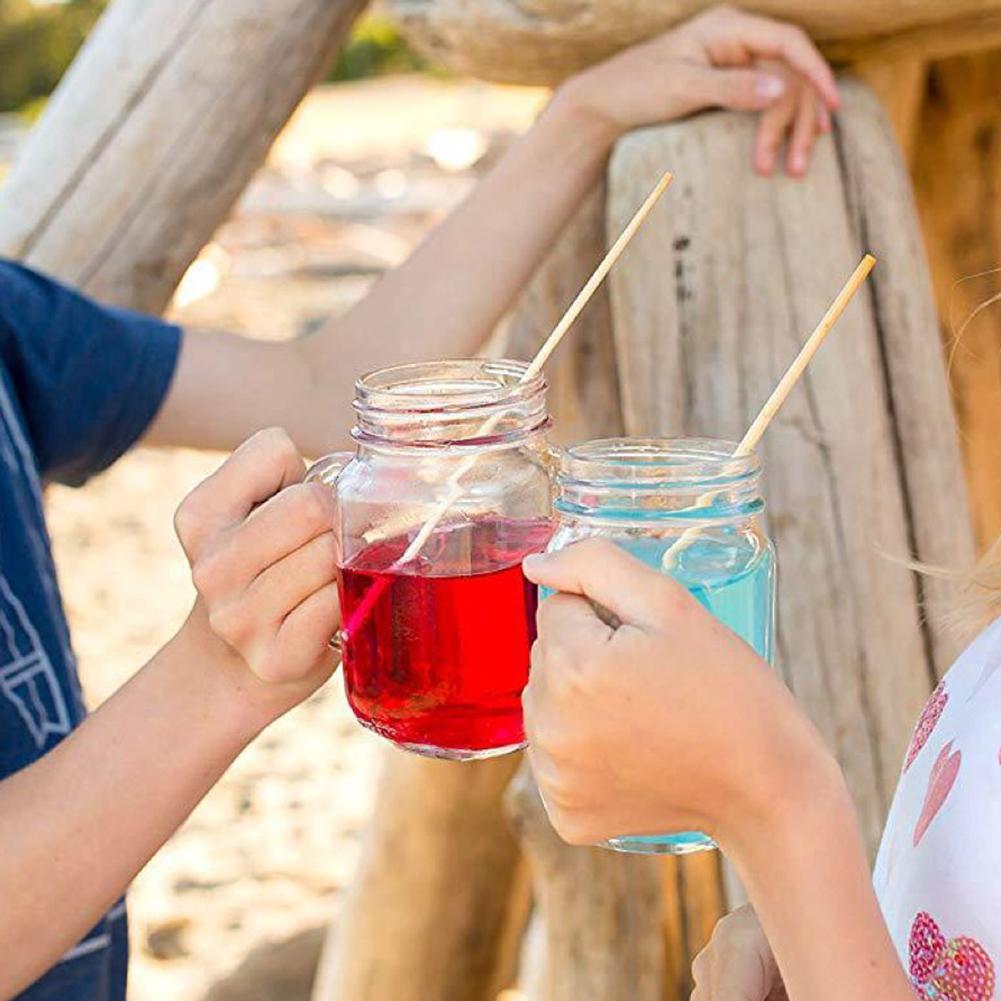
(80,822)
(447,298)
(671,722)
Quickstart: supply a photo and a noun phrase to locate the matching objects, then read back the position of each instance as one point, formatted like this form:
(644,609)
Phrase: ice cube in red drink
(436,652)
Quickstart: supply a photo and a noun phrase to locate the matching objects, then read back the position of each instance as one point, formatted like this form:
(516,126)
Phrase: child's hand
(737,964)
(721,58)
(668,723)
(262,557)
(799,115)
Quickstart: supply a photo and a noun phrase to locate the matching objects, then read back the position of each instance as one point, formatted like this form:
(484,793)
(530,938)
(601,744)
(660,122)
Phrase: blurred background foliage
(37,43)
(376,48)
(39,38)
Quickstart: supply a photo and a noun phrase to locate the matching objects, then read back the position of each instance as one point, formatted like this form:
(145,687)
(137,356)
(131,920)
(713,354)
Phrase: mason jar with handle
(687,507)
(437,627)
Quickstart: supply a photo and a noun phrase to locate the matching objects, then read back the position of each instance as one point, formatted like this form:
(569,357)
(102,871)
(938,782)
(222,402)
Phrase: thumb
(261,467)
(741,89)
(606,574)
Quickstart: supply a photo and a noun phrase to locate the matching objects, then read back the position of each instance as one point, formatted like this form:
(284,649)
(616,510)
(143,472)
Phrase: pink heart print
(940,782)
(957,969)
(926,722)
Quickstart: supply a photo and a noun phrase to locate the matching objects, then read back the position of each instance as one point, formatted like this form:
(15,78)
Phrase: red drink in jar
(436,652)
(437,630)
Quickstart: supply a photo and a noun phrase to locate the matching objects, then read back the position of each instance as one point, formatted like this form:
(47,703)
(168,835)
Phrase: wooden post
(431,904)
(157,127)
(600,913)
(863,462)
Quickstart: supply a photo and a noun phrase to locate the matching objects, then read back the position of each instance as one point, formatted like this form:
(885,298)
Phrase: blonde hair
(981,586)
(980,602)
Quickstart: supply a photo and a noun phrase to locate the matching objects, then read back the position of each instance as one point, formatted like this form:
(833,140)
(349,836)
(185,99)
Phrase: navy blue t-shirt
(79,383)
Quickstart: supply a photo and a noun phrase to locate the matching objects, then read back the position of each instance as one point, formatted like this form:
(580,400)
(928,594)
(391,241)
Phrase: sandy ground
(231,909)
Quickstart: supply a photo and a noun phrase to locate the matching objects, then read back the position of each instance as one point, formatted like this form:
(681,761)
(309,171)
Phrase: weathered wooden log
(427,914)
(956,171)
(600,912)
(863,461)
(154,132)
(543,41)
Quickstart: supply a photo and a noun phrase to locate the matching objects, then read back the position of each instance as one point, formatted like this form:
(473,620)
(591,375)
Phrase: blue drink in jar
(643,494)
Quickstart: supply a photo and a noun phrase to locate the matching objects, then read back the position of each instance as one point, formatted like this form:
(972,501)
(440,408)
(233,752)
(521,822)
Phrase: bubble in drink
(436,652)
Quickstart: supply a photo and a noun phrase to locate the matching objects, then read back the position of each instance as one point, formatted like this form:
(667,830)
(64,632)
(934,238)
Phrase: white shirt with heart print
(938,872)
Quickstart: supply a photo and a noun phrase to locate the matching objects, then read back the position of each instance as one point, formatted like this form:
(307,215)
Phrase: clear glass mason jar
(436,640)
(643,494)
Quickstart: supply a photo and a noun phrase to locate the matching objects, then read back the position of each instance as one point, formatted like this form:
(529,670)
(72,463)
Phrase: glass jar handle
(326,471)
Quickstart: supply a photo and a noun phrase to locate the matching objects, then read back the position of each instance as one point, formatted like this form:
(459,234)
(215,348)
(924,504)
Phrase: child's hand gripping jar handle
(325,472)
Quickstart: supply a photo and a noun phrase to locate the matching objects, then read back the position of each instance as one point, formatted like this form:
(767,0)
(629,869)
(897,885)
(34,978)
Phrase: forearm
(443,302)
(79,824)
(448,297)
(455,287)
(805,869)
